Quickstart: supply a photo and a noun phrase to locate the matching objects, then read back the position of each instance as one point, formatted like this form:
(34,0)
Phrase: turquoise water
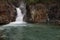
(33,32)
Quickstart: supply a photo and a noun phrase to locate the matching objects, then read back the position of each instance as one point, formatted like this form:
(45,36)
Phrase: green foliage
(12,0)
(38,1)
(47,0)
(31,1)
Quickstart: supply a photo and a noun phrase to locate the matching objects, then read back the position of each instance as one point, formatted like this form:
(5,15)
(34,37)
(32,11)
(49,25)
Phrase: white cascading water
(19,19)
(20,15)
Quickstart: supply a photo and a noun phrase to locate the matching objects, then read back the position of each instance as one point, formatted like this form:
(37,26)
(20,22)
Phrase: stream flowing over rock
(33,13)
(18,11)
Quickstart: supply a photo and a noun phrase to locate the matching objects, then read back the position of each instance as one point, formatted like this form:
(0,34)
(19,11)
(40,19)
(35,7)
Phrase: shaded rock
(7,12)
(54,12)
(16,3)
(43,12)
(37,13)
(27,16)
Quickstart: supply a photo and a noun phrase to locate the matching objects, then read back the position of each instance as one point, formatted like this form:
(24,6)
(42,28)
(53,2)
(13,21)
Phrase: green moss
(32,1)
(38,1)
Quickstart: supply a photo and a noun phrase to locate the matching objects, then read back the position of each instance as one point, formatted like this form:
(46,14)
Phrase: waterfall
(21,11)
(19,15)
(19,21)
(19,18)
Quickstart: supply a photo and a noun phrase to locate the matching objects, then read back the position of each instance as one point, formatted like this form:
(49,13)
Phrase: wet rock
(37,13)
(7,12)
(54,13)
(43,12)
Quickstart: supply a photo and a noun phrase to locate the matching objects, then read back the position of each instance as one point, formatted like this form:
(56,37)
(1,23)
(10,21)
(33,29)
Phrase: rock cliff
(38,13)
(43,12)
(7,12)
